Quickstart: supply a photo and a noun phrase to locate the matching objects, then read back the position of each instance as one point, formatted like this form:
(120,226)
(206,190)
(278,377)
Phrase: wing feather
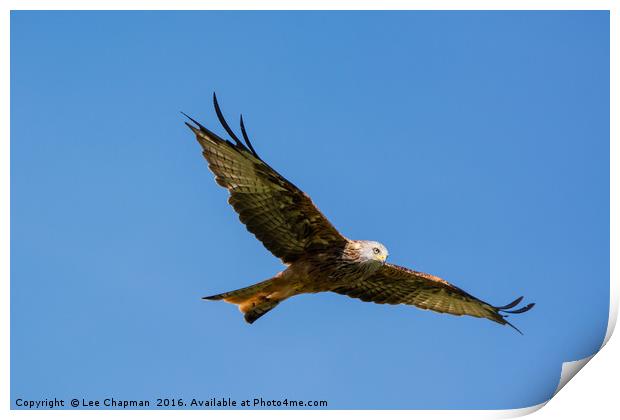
(278,213)
(394,285)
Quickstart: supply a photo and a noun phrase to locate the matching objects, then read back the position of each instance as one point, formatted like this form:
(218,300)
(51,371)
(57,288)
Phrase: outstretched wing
(278,213)
(392,284)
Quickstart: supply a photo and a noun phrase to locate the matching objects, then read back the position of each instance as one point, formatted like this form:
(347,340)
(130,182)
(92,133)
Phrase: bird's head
(372,251)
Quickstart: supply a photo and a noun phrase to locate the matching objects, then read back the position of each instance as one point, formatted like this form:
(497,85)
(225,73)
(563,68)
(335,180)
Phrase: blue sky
(474,145)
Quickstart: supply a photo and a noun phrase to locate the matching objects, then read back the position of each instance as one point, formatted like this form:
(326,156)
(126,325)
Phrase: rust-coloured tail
(253,301)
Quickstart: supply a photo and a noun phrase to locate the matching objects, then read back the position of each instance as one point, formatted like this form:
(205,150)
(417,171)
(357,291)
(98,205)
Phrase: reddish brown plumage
(319,258)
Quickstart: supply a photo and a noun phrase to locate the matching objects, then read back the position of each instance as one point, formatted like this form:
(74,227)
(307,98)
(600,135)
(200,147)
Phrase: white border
(309,5)
(569,369)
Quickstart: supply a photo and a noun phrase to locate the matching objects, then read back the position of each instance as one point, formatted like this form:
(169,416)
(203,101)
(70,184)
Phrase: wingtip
(511,304)
(220,117)
(200,126)
(522,310)
(515,328)
(508,308)
(191,127)
(246,137)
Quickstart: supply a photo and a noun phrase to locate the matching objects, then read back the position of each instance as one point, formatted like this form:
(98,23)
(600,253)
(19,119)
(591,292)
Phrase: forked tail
(253,301)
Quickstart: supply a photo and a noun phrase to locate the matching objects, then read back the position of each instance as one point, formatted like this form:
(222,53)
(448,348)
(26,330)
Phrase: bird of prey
(318,257)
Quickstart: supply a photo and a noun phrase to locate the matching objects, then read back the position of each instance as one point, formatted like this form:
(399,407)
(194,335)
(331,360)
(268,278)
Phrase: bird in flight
(318,257)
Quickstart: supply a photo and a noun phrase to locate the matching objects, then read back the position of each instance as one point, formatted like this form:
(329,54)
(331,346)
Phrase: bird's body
(317,256)
(319,271)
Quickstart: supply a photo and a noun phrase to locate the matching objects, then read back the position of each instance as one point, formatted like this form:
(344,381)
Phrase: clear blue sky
(474,145)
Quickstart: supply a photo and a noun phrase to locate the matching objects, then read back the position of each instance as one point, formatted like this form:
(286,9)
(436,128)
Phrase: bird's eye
(376,250)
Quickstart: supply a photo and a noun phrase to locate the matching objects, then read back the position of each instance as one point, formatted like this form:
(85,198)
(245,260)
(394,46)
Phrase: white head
(372,251)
